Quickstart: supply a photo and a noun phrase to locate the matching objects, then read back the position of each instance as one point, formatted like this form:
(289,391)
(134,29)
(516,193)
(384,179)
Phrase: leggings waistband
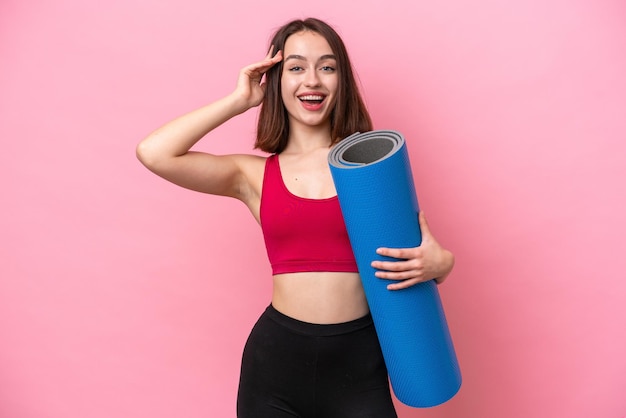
(317,330)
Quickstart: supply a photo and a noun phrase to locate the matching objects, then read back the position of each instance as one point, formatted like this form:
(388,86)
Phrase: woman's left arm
(419,264)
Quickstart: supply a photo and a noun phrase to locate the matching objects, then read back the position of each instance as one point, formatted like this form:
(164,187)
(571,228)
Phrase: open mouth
(312,99)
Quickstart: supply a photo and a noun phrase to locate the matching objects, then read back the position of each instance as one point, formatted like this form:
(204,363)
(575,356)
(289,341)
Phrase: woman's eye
(295,68)
(328,68)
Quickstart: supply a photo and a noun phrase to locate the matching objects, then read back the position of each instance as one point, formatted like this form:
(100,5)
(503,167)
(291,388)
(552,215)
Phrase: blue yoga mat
(374,183)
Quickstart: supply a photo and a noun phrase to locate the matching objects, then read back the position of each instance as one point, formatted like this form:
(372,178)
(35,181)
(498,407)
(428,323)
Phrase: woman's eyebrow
(303,58)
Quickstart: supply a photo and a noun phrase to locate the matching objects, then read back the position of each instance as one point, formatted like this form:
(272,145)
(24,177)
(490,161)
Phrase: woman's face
(309,80)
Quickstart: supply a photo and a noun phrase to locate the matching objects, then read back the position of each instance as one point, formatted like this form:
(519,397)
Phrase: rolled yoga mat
(374,183)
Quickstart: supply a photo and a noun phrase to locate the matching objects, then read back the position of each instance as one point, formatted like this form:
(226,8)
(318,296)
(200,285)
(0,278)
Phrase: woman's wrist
(236,103)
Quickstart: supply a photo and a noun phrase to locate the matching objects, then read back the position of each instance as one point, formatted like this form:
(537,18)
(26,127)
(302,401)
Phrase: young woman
(314,351)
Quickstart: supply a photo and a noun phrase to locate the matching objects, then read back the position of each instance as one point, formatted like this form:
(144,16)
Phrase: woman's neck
(306,139)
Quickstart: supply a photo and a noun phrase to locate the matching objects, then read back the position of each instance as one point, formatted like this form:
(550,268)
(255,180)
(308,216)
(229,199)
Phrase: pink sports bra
(301,234)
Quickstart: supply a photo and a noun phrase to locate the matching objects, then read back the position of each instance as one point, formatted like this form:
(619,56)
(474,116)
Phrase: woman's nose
(312,78)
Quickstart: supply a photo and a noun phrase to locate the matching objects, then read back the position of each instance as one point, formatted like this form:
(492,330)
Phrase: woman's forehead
(307,45)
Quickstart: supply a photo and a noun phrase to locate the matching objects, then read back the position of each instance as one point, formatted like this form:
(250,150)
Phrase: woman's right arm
(166,151)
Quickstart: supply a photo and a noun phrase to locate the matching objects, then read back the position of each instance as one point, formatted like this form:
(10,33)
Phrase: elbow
(146,155)
(141,152)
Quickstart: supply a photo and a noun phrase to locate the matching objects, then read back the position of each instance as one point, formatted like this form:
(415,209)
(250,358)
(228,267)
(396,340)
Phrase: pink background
(124,296)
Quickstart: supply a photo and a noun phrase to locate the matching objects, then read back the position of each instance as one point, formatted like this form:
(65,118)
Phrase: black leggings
(292,368)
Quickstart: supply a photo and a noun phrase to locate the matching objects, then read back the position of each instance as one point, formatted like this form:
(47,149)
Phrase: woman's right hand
(249,86)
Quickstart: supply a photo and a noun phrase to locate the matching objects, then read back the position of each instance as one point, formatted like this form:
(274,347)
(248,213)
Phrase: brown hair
(348,116)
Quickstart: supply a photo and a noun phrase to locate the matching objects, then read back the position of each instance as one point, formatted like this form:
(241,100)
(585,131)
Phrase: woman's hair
(349,114)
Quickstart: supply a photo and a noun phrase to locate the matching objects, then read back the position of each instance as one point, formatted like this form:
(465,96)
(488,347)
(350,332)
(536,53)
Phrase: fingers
(409,264)
(389,267)
(255,71)
(273,59)
(408,270)
(414,265)
(250,86)
(270,54)
(398,271)
(408,260)
(261,67)
(404,284)
(405,253)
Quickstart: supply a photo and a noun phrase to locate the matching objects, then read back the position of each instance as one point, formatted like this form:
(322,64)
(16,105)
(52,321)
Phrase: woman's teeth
(312,98)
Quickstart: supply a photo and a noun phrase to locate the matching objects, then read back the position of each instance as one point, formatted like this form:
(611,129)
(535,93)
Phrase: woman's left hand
(419,264)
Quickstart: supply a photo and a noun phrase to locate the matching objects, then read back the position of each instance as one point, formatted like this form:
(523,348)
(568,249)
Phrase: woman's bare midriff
(320,297)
